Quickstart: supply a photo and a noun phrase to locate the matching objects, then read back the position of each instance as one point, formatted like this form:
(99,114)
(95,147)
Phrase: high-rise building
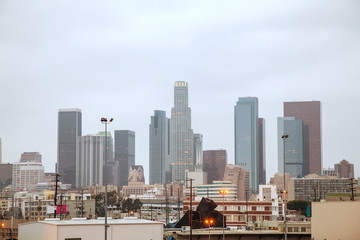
(239,177)
(25,173)
(198,151)
(262,150)
(0,151)
(5,175)
(124,153)
(310,113)
(181,134)
(159,149)
(344,169)
(246,138)
(214,164)
(69,128)
(293,146)
(90,161)
(30,157)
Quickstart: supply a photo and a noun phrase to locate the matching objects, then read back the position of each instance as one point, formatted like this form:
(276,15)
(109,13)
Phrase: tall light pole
(210,222)
(284,137)
(106,122)
(223,192)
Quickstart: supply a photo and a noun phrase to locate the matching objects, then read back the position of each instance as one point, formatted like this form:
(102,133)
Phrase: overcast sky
(120,59)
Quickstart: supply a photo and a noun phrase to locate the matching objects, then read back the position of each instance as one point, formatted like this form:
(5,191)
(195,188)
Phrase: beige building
(335,220)
(240,178)
(76,229)
(314,187)
(278,181)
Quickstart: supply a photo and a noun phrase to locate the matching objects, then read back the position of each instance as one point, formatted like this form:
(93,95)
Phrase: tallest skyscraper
(181,133)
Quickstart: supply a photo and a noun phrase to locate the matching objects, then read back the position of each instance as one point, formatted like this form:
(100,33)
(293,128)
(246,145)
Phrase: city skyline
(124,65)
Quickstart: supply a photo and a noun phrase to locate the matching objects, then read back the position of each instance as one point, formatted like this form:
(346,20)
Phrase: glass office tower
(294,161)
(246,137)
(159,148)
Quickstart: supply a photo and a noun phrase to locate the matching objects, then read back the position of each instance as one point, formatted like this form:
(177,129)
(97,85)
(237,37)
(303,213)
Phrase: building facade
(294,160)
(181,134)
(30,157)
(25,174)
(214,164)
(91,159)
(242,213)
(344,169)
(159,149)
(240,177)
(212,191)
(124,153)
(314,187)
(69,128)
(310,113)
(246,138)
(262,151)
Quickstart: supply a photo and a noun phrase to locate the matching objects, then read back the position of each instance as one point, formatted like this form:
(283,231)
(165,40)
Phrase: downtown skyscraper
(69,128)
(124,154)
(294,161)
(159,145)
(91,159)
(310,113)
(181,134)
(247,140)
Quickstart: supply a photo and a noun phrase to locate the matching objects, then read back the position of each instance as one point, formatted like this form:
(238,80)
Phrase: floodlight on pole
(284,137)
(106,122)
(223,192)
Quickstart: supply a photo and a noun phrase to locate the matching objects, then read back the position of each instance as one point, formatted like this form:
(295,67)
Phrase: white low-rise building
(81,229)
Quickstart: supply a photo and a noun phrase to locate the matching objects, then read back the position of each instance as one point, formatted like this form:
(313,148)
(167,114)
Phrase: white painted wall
(38,231)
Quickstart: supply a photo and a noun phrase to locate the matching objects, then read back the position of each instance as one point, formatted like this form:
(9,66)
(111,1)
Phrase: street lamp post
(210,222)
(106,122)
(284,137)
(223,192)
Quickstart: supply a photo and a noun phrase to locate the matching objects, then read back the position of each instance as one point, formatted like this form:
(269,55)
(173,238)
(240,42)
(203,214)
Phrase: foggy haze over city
(120,59)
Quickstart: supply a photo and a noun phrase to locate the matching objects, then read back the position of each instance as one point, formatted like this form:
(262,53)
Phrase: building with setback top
(181,134)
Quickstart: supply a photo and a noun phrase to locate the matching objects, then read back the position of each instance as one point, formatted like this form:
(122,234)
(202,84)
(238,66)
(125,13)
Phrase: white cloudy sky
(120,59)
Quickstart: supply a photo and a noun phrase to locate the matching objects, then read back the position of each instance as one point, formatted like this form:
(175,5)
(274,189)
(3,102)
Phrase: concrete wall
(31,231)
(335,220)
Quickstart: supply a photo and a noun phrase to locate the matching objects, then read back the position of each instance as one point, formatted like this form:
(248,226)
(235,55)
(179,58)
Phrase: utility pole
(56,188)
(82,202)
(179,204)
(246,210)
(166,208)
(39,209)
(12,218)
(352,189)
(190,212)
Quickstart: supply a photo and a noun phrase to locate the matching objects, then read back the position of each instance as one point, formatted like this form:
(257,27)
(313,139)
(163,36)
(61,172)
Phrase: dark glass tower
(124,153)
(69,128)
